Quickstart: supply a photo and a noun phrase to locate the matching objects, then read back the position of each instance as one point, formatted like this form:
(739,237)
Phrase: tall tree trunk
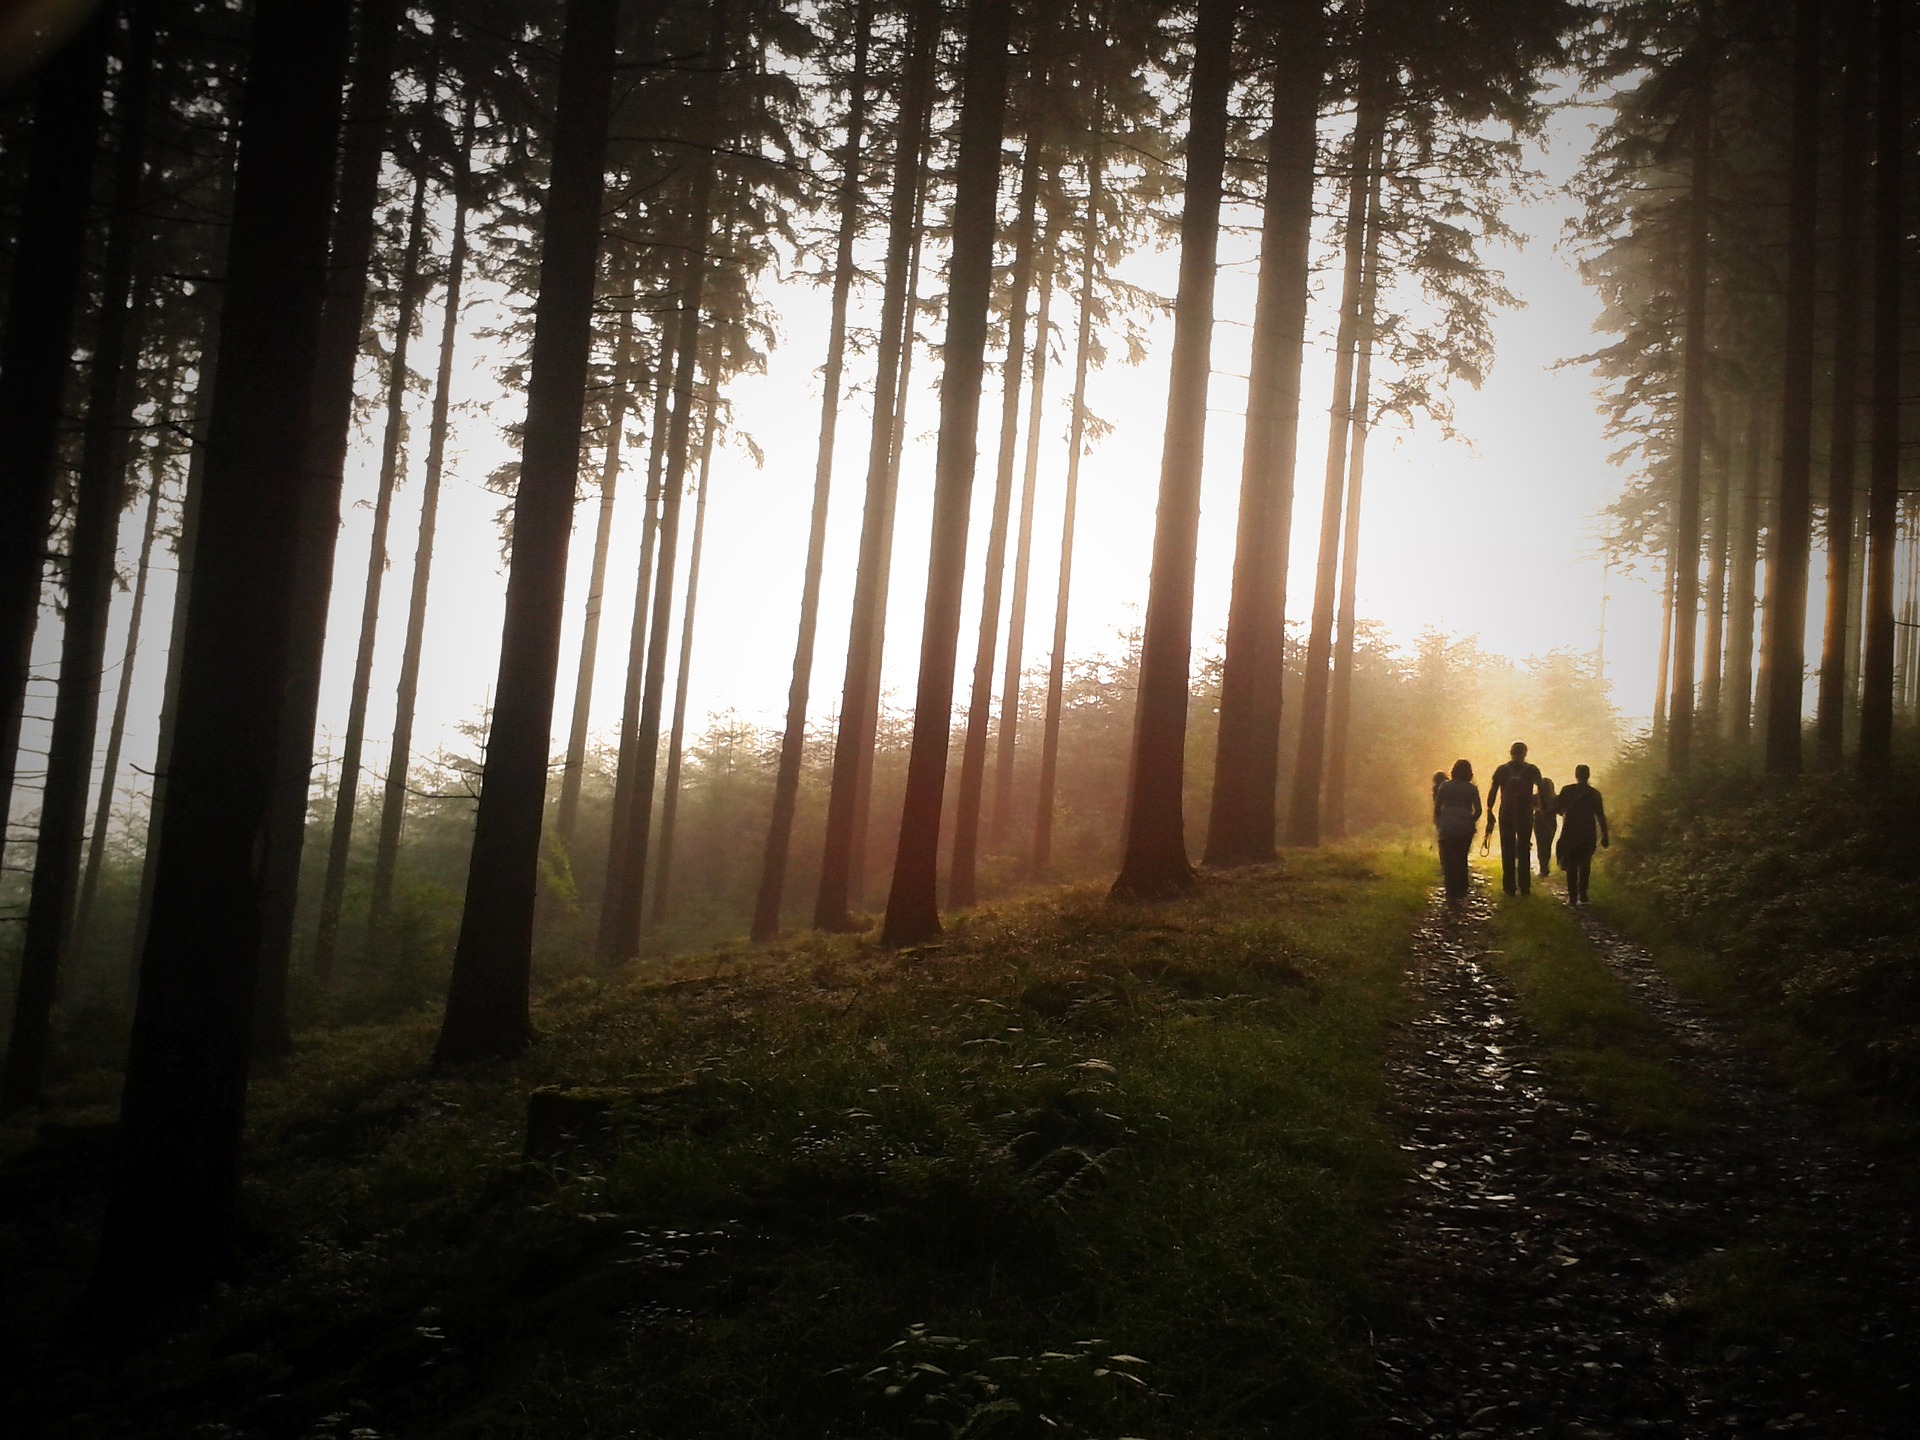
(171,1213)
(117,726)
(1693,412)
(1042,859)
(186,547)
(91,551)
(1010,683)
(487,1001)
(868,751)
(625,767)
(1787,548)
(346,794)
(364,145)
(1303,815)
(1883,498)
(576,759)
(677,731)
(859,695)
(1340,698)
(1713,658)
(621,908)
(1663,667)
(963,874)
(1154,862)
(1745,550)
(793,740)
(37,346)
(393,803)
(1836,637)
(912,902)
(1241,820)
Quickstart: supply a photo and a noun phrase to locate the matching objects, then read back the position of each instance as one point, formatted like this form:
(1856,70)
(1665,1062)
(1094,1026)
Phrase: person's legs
(1516,854)
(1453,864)
(1543,838)
(1578,864)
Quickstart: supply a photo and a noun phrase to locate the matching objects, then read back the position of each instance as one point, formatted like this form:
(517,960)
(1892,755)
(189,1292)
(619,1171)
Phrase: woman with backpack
(1456,814)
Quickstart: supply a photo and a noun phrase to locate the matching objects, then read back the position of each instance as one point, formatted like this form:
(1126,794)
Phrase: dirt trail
(1546,1258)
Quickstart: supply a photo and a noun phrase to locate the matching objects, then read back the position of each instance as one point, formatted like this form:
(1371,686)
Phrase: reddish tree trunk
(1240,823)
(793,740)
(963,875)
(859,694)
(913,913)
(1154,862)
(1303,815)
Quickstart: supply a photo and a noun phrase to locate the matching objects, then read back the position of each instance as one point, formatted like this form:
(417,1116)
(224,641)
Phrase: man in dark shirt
(1583,818)
(1510,799)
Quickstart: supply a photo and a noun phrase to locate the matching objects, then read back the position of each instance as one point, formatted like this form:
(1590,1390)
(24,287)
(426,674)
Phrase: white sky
(1493,537)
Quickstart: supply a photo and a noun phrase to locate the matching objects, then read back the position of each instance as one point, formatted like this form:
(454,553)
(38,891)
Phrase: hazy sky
(1491,535)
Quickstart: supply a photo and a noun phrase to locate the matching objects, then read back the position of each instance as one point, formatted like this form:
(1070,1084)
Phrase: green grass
(1598,1039)
(1081,1169)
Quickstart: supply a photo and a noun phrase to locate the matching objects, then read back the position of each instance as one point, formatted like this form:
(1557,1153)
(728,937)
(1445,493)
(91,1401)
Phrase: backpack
(1454,815)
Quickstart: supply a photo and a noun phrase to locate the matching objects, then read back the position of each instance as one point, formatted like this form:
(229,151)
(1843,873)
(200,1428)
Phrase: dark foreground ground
(1310,1154)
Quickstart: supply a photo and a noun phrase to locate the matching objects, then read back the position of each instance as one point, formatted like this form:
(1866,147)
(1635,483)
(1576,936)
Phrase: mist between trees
(1414,712)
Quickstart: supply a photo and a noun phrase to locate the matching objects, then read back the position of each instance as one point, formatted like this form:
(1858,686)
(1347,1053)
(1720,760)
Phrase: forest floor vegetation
(1080,1168)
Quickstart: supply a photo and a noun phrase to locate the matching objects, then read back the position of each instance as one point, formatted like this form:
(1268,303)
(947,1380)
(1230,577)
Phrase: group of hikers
(1528,810)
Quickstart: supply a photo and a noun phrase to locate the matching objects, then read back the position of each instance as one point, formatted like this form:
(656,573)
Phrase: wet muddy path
(1560,1276)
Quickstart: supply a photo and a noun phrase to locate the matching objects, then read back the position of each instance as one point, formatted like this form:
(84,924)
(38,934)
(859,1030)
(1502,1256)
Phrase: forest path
(1561,1275)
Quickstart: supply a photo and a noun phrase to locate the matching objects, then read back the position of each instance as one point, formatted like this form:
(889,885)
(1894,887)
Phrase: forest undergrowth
(1793,910)
(1079,1169)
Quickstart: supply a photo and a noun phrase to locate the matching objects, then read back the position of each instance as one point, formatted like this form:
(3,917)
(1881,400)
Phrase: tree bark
(1663,667)
(677,731)
(346,794)
(1713,661)
(963,871)
(1154,862)
(1745,556)
(364,144)
(621,908)
(576,759)
(487,1001)
(867,753)
(91,552)
(393,804)
(912,902)
(1241,820)
(1693,413)
(625,768)
(1303,816)
(171,1218)
(117,726)
(793,740)
(37,346)
(1836,637)
(1042,859)
(1787,550)
(1011,678)
(1340,700)
(1883,498)
(859,693)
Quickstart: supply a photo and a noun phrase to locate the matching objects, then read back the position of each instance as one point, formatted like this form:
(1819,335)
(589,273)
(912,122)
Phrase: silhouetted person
(1510,797)
(1544,819)
(1456,814)
(1583,819)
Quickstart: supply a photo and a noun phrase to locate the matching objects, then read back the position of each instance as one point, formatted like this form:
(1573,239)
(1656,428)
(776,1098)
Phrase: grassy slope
(1122,1167)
